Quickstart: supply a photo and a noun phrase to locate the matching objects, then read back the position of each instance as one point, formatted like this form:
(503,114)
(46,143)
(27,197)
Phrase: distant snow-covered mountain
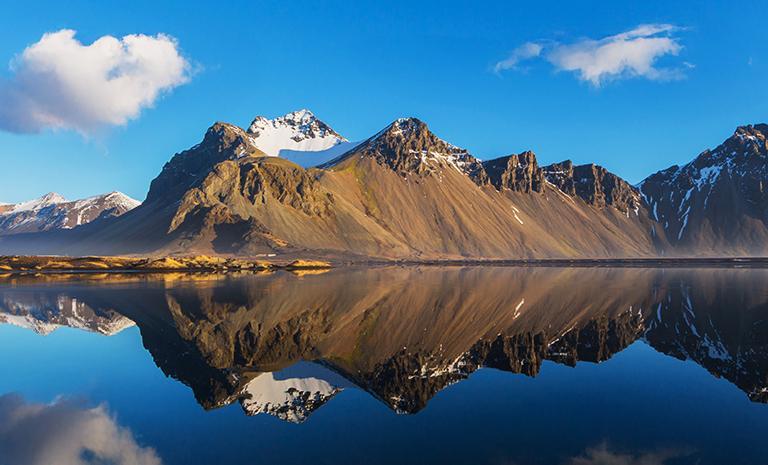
(52,211)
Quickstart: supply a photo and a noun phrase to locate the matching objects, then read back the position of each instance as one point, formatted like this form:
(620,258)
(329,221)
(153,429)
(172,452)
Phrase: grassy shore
(154,264)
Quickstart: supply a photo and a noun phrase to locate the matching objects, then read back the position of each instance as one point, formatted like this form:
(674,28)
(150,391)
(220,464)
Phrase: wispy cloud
(58,82)
(523,52)
(65,433)
(634,53)
(602,455)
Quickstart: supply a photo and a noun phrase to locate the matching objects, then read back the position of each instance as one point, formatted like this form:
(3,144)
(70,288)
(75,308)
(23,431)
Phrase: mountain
(717,203)
(298,136)
(440,201)
(52,212)
(405,193)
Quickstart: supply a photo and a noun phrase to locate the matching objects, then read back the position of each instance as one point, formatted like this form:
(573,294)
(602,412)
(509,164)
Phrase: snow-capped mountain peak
(51,198)
(114,198)
(296,131)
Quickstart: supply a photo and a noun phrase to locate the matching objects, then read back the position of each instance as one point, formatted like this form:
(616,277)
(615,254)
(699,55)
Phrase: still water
(411,365)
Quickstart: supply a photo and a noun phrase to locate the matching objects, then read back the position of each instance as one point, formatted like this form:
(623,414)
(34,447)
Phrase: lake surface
(415,365)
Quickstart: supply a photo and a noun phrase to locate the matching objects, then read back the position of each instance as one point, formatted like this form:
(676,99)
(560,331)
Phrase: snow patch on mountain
(298,136)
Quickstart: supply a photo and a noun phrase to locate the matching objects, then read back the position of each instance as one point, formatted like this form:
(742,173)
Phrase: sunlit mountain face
(287,345)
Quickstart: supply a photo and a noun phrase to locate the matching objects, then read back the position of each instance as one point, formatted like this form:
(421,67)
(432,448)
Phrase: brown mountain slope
(403,193)
(447,204)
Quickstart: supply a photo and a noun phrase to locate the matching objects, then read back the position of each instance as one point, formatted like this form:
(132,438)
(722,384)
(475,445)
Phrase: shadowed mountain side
(717,203)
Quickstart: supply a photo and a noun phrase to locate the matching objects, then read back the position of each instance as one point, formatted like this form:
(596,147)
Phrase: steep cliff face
(520,173)
(236,193)
(718,203)
(593,184)
(598,187)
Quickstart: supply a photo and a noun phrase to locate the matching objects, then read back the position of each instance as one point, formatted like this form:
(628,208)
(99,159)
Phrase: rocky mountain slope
(52,212)
(717,203)
(405,193)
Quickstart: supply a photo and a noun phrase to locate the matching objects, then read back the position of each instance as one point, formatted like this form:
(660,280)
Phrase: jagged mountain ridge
(592,183)
(403,193)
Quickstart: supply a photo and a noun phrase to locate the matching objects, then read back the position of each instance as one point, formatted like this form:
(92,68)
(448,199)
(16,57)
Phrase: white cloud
(65,433)
(523,52)
(633,53)
(60,83)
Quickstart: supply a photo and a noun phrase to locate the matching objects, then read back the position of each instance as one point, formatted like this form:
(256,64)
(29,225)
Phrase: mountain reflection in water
(286,345)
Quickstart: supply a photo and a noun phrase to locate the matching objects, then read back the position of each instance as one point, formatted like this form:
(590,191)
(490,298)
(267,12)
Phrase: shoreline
(752,262)
(206,264)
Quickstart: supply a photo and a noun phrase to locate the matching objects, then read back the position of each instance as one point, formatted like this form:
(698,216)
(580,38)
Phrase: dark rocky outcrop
(594,184)
(520,173)
(599,187)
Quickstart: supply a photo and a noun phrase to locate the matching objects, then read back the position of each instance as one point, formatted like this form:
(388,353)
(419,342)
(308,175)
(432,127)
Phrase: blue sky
(359,65)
